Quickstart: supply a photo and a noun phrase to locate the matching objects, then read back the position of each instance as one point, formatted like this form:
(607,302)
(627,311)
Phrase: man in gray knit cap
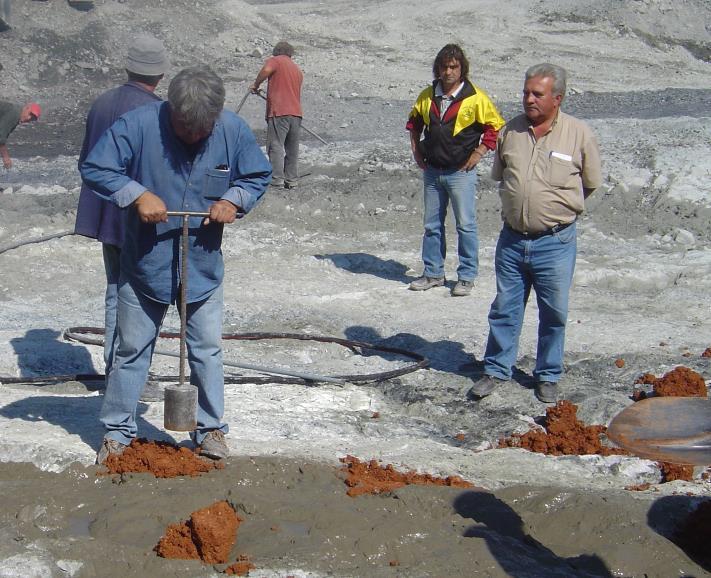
(97,218)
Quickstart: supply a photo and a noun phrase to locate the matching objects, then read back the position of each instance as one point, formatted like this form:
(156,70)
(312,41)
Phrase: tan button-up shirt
(542,180)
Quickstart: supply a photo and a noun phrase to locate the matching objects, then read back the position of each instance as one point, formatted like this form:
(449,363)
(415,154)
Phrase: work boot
(214,445)
(109,447)
(547,391)
(424,283)
(484,386)
(462,288)
(291,184)
(276,182)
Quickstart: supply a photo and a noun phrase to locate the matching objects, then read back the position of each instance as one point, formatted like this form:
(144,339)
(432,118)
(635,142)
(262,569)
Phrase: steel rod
(260,93)
(183,300)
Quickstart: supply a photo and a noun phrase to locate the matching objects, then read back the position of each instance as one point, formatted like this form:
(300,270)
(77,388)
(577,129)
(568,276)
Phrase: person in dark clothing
(98,218)
(460,124)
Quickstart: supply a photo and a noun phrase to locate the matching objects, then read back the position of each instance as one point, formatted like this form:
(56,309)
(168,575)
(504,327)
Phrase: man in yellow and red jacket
(460,124)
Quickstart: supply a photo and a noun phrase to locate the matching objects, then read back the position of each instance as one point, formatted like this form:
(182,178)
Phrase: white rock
(684,237)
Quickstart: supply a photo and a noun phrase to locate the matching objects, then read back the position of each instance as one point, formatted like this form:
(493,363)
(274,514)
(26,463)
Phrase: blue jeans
(139,321)
(459,187)
(112,266)
(547,265)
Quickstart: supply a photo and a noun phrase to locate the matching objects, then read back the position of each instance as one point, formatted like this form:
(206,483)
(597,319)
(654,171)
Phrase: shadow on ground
(364,263)
(77,415)
(516,551)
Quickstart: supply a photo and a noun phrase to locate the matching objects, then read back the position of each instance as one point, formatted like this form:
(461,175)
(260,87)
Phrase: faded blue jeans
(139,321)
(545,264)
(112,267)
(459,187)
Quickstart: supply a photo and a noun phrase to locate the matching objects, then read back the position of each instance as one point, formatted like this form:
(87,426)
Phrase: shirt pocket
(217,182)
(561,172)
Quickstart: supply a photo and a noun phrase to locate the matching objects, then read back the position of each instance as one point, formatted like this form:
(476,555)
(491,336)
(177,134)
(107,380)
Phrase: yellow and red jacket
(449,141)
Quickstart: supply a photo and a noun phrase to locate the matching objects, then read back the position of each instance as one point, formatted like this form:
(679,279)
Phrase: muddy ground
(333,258)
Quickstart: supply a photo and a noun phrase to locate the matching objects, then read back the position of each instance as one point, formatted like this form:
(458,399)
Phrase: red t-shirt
(284,88)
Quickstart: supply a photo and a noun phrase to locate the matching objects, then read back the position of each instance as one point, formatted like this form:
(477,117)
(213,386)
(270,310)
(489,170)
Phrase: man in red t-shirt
(283,113)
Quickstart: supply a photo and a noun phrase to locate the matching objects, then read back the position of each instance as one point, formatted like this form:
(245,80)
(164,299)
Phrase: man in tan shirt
(547,163)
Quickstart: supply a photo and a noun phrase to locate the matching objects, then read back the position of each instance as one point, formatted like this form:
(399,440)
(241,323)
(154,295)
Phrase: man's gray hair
(546,69)
(197,96)
(283,47)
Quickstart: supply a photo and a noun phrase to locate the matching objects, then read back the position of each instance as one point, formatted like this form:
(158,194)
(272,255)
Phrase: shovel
(668,429)
(180,401)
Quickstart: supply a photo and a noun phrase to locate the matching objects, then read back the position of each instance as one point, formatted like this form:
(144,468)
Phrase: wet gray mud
(298,520)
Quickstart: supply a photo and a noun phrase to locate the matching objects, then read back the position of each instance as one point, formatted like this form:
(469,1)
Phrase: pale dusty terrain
(334,258)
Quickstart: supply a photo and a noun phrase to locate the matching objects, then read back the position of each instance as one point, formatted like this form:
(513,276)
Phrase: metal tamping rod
(180,402)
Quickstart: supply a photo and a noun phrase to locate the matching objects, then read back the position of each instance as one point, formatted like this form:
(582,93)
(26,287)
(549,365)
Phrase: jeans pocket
(217,181)
(567,235)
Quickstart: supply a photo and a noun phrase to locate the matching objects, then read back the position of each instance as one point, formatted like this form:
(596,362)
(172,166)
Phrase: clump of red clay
(241,567)
(693,533)
(564,435)
(373,478)
(162,459)
(680,382)
(671,472)
(707,352)
(208,535)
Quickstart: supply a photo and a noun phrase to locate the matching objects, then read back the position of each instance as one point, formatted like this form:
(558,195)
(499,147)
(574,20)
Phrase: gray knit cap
(147,56)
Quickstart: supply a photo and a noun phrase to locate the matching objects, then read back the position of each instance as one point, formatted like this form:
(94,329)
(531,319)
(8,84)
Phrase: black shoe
(484,386)
(547,391)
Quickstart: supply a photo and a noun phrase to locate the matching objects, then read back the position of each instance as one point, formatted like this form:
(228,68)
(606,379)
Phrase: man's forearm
(414,140)
(5,154)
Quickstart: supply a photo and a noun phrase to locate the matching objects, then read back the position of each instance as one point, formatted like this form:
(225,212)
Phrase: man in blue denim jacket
(186,154)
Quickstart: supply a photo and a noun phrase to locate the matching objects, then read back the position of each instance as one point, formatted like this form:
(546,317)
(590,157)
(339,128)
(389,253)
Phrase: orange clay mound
(693,533)
(707,352)
(680,382)
(208,535)
(564,435)
(372,478)
(671,472)
(241,567)
(162,459)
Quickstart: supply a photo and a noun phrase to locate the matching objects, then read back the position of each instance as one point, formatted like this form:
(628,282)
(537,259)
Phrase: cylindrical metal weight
(180,407)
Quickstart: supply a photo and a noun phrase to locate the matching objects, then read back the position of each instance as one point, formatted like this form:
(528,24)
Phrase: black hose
(36,240)
(81,334)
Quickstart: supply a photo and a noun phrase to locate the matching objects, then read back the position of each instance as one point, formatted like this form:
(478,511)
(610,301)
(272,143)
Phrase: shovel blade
(180,407)
(669,429)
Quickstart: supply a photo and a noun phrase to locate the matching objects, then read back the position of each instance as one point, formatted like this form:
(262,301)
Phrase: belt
(539,234)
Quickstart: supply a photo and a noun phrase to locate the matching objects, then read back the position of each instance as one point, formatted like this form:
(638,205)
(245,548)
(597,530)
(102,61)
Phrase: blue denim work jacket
(141,152)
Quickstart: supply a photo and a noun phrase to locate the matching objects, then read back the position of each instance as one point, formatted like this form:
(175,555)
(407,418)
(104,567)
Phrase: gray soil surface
(334,258)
